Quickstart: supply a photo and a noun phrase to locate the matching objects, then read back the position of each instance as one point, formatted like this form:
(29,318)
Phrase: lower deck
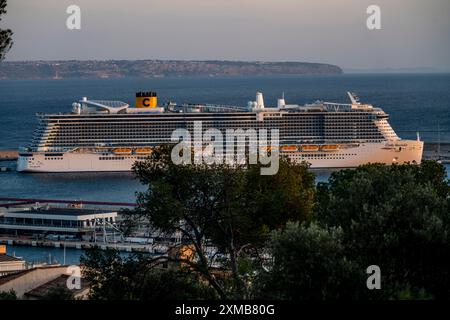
(389,152)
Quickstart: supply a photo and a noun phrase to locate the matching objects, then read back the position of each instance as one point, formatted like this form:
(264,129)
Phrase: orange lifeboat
(122,151)
(310,147)
(330,147)
(289,148)
(143,151)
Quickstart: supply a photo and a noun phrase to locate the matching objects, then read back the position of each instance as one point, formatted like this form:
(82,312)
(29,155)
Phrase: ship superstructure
(103,135)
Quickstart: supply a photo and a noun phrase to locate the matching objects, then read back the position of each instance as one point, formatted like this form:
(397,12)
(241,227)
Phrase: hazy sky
(415,33)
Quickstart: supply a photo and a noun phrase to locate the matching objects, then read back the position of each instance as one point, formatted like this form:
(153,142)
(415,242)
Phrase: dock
(9,155)
(84,245)
(437,151)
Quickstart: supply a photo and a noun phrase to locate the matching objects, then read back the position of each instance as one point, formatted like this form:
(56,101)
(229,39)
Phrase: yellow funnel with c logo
(146,100)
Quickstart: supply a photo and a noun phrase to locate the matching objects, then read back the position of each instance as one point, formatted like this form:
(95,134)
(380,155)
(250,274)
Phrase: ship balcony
(42,133)
(43,127)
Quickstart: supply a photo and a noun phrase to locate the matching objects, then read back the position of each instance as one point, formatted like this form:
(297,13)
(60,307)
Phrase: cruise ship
(99,135)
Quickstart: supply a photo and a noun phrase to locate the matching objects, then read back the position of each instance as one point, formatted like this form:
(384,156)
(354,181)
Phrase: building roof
(17,274)
(6,258)
(13,275)
(64,211)
(42,290)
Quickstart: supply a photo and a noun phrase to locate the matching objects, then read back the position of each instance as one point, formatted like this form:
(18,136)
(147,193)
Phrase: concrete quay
(83,245)
(8,155)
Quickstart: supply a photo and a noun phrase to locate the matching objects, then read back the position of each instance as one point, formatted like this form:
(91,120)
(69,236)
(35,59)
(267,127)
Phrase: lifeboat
(310,147)
(122,151)
(289,148)
(143,151)
(330,147)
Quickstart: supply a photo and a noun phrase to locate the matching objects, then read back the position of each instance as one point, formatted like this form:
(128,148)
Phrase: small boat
(330,147)
(310,147)
(143,151)
(122,151)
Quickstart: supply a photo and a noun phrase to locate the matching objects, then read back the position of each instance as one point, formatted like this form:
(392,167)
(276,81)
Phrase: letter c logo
(146,102)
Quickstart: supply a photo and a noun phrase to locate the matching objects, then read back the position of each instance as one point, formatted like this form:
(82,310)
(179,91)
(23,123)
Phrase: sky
(413,34)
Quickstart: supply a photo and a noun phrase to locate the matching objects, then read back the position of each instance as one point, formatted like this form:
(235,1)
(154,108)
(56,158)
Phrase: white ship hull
(394,152)
(389,152)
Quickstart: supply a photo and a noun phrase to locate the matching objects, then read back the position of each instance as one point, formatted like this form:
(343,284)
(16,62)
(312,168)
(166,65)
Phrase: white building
(55,220)
(10,264)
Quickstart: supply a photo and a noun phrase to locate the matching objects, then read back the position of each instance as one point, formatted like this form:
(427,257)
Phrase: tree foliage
(232,208)
(307,262)
(114,277)
(5,34)
(396,217)
(280,237)
(8,295)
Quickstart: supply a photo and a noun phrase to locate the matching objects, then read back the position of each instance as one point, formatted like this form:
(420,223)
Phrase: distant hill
(155,68)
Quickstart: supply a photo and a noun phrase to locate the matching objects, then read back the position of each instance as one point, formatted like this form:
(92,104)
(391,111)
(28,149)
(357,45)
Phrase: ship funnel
(146,99)
(259,100)
(281,102)
(76,108)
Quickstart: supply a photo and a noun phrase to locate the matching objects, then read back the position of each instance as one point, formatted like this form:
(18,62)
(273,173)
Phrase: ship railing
(337,106)
(214,107)
(31,224)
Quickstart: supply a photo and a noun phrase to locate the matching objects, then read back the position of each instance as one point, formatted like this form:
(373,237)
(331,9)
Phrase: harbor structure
(57,223)
(9,264)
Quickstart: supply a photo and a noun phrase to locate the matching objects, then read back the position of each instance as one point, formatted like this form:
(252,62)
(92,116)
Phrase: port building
(56,221)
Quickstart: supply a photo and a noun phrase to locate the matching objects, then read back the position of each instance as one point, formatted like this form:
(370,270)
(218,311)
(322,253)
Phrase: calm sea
(415,102)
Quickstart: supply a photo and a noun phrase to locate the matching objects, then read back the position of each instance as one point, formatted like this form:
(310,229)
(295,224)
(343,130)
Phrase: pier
(69,224)
(8,155)
(13,202)
(437,151)
(84,245)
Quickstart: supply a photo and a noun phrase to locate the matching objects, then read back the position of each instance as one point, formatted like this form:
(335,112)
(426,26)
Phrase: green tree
(5,34)
(396,217)
(8,295)
(113,277)
(308,262)
(232,208)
